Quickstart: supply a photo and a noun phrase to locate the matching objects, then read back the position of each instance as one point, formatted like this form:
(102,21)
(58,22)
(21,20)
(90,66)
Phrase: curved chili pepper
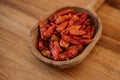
(55,49)
(82,19)
(62,26)
(63,12)
(49,31)
(46,53)
(42,30)
(64,43)
(40,44)
(88,31)
(46,30)
(71,52)
(74,31)
(62,18)
(73,20)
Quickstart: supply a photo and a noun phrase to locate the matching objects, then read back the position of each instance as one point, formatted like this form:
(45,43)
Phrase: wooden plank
(41,8)
(109,43)
(114,3)
(16,16)
(26,8)
(21,63)
(95,4)
(25,15)
(16,61)
(110,21)
(111,29)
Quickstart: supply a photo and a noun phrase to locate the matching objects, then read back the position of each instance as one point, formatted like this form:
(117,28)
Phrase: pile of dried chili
(65,34)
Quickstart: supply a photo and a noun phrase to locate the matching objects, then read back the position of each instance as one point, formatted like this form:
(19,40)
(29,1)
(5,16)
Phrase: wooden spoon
(69,63)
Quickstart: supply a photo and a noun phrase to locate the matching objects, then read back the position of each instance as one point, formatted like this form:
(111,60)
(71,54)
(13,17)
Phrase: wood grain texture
(114,3)
(17,17)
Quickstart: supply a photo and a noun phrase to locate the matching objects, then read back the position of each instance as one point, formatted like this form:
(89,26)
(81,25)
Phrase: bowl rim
(82,54)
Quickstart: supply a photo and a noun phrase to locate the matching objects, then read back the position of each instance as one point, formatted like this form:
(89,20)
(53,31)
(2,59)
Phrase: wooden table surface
(17,18)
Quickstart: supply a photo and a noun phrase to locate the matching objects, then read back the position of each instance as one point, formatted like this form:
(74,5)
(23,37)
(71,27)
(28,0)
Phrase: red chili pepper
(64,34)
(85,41)
(62,26)
(92,31)
(79,14)
(42,30)
(46,30)
(63,18)
(40,44)
(71,52)
(55,49)
(63,12)
(69,39)
(49,31)
(73,20)
(82,19)
(87,22)
(88,33)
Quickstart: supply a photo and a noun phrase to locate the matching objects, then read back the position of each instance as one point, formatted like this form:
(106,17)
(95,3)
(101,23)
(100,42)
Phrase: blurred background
(18,17)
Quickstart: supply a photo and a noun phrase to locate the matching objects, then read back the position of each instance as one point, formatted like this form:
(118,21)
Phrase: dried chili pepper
(88,32)
(55,49)
(42,30)
(63,12)
(49,31)
(73,20)
(74,31)
(46,53)
(62,26)
(82,19)
(64,43)
(62,18)
(54,38)
(69,39)
(64,34)
(46,30)
(41,44)
(79,14)
(85,41)
(71,52)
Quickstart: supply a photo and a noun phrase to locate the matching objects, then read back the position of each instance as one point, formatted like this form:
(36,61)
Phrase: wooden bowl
(69,63)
